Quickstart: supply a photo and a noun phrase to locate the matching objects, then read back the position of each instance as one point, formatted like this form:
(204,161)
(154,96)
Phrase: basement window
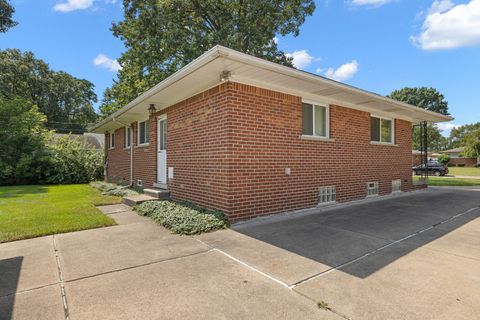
(381,130)
(396,185)
(372,188)
(327,195)
(142,133)
(128,137)
(315,120)
(111,141)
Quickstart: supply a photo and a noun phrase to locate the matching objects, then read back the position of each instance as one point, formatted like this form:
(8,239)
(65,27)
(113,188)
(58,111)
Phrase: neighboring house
(456,157)
(251,137)
(92,140)
(417,157)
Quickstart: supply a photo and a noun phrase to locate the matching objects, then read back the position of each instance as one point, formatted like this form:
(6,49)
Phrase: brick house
(457,158)
(251,137)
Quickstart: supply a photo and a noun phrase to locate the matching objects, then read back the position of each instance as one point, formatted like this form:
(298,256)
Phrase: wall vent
(327,195)
(139,183)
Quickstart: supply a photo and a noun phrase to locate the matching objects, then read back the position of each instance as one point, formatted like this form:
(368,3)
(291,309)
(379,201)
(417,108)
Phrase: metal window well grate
(396,185)
(372,188)
(327,195)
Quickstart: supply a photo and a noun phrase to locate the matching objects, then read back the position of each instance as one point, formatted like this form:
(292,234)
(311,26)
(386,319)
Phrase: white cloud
(344,72)
(449,26)
(105,62)
(301,58)
(447,126)
(72,5)
(275,39)
(374,3)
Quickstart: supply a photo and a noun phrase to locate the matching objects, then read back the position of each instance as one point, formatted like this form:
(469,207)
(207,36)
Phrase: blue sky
(378,45)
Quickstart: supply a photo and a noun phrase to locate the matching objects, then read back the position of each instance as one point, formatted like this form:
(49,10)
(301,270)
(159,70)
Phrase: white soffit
(204,73)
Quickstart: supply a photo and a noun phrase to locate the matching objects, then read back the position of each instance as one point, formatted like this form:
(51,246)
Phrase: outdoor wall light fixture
(152,109)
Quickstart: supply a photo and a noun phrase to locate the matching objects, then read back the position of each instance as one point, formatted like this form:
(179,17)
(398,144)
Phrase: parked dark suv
(433,167)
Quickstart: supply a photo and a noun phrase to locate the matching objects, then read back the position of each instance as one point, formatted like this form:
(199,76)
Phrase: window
(381,130)
(142,133)
(372,188)
(314,120)
(397,185)
(128,137)
(327,195)
(111,142)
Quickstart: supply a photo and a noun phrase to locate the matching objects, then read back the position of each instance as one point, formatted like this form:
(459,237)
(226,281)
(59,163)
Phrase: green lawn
(33,211)
(443,181)
(464,171)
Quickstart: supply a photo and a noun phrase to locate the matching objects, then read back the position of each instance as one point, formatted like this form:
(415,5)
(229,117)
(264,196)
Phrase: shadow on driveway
(9,275)
(338,236)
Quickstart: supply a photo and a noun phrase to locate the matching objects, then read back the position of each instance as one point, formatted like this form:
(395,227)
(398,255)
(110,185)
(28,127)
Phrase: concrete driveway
(415,256)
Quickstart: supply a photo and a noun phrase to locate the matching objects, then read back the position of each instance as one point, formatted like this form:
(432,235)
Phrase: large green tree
(472,144)
(422,97)
(65,100)
(23,138)
(6,13)
(429,99)
(161,36)
(458,135)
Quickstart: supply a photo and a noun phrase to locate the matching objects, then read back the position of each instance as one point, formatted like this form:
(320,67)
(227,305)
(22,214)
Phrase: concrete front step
(137,199)
(160,194)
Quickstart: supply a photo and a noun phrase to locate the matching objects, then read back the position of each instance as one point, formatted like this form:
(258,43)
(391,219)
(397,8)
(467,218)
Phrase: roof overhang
(206,72)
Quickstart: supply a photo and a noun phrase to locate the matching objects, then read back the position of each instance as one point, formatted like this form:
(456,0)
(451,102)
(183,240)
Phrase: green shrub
(183,218)
(452,165)
(111,189)
(443,159)
(73,161)
(461,165)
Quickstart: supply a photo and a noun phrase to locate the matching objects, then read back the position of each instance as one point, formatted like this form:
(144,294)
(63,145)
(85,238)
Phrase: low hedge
(111,189)
(183,218)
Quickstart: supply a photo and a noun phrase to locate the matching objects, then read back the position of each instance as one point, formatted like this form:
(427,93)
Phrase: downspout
(131,148)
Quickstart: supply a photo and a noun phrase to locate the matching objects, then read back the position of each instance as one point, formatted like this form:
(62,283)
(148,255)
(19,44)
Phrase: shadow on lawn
(9,275)
(8,192)
(344,234)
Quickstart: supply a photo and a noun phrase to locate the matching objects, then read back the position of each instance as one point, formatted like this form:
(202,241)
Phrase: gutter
(131,148)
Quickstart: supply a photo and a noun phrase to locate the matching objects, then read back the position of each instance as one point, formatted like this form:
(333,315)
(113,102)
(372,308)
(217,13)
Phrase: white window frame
(329,193)
(327,119)
(396,185)
(392,127)
(146,133)
(375,189)
(111,138)
(128,145)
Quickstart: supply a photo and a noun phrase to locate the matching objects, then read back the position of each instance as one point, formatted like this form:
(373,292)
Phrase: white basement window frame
(111,140)
(396,185)
(379,132)
(327,195)
(128,137)
(142,133)
(315,120)
(372,189)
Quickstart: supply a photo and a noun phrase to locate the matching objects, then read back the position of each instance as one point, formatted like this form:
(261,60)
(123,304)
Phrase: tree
(422,97)
(65,100)
(443,159)
(472,144)
(161,36)
(6,13)
(22,140)
(436,141)
(429,99)
(458,135)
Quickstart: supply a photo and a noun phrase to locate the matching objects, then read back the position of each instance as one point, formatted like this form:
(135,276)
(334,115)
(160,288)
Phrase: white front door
(162,151)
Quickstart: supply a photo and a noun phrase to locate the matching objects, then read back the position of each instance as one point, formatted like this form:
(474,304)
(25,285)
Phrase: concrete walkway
(410,257)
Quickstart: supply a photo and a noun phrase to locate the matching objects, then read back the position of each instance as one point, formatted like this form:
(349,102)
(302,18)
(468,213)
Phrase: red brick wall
(266,129)
(229,147)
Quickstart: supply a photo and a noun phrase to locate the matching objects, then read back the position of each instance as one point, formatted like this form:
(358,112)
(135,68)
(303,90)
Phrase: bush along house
(250,137)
